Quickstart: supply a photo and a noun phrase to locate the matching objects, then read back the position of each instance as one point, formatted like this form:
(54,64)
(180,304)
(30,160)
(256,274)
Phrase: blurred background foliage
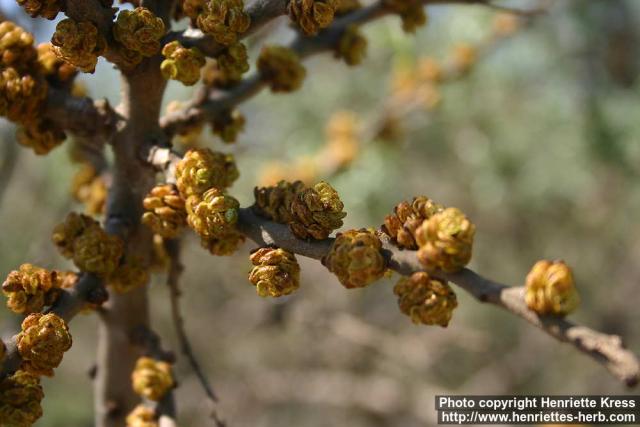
(539,144)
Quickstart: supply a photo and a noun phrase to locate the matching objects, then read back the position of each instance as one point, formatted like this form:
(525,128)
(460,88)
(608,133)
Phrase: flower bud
(20,397)
(165,212)
(30,288)
(139,30)
(152,378)
(445,240)
(47,9)
(142,416)
(213,214)
(200,169)
(53,67)
(356,258)
(274,202)
(182,64)
(42,343)
(224,20)
(280,67)
(276,272)
(425,300)
(352,46)
(406,218)
(411,13)
(227,125)
(224,244)
(133,273)
(312,15)
(316,212)
(89,188)
(41,136)
(550,289)
(16,47)
(78,43)
(96,251)
(65,234)
(21,96)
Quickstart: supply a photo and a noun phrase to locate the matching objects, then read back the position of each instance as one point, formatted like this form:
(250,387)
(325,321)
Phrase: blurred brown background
(539,145)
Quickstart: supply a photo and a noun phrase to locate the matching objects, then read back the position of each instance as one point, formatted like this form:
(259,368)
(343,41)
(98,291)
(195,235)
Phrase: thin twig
(173,282)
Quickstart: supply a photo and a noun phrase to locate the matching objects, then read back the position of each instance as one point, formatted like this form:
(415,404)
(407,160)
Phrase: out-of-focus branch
(608,350)
(81,116)
(173,282)
(260,11)
(205,108)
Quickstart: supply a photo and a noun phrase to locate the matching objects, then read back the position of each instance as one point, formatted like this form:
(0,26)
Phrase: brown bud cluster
(20,397)
(425,300)
(352,46)
(212,215)
(192,8)
(406,218)
(55,69)
(16,47)
(280,67)
(356,258)
(550,289)
(152,378)
(224,20)
(41,136)
(275,273)
(89,188)
(30,288)
(91,248)
(139,30)
(182,64)
(42,343)
(316,212)
(312,15)
(201,169)
(47,9)
(165,212)
(274,202)
(224,244)
(227,125)
(411,13)
(445,240)
(233,62)
(142,416)
(131,274)
(21,96)
(78,43)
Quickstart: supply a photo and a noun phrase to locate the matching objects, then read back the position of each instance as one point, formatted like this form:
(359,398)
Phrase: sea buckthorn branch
(174,273)
(607,350)
(207,105)
(260,11)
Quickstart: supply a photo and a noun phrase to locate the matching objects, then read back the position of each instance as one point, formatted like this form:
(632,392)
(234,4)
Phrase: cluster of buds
(227,125)
(312,15)
(425,300)
(224,20)
(356,258)
(42,342)
(316,212)
(224,244)
(181,63)
(280,67)
(142,416)
(274,202)
(276,272)
(406,218)
(78,43)
(139,30)
(47,9)
(29,289)
(57,71)
(20,398)
(352,46)
(165,214)
(16,47)
(91,248)
(550,289)
(90,188)
(41,136)
(445,240)
(212,215)
(152,378)
(411,13)
(201,169)
(131,274)
(231,63)
(192,8)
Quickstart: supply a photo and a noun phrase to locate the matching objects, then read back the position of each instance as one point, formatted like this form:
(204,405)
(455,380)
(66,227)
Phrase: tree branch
(608,350)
